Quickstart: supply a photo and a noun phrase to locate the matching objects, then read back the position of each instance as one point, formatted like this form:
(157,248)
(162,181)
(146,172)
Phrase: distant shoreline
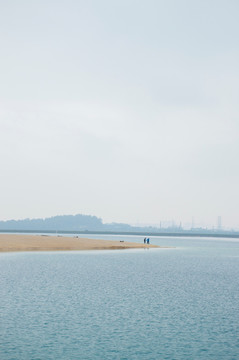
(136,233)
(17,242)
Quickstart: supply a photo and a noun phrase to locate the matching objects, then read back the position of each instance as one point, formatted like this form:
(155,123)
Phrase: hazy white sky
(127,110)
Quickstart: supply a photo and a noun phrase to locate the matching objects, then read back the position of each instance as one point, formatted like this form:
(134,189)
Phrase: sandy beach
(16,242)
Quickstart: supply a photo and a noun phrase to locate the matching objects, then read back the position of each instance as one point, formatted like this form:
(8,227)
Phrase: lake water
(179,303)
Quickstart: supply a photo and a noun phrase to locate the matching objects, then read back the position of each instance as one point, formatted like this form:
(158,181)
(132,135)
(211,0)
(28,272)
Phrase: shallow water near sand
(179,303)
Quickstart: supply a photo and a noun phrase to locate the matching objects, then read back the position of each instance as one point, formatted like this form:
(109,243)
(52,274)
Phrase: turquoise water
(179,303)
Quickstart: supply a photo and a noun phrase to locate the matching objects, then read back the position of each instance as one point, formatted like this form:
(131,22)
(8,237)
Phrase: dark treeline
(81,223)
(70,223)
(63,222)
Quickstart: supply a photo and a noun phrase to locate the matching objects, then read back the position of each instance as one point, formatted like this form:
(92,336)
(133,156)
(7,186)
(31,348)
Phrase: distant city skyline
(189,225)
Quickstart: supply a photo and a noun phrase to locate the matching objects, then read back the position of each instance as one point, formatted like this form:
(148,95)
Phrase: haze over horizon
(217,225)
(126,110)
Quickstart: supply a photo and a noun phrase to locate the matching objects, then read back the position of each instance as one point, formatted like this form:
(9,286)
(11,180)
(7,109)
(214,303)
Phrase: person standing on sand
(144,240)
(148,241)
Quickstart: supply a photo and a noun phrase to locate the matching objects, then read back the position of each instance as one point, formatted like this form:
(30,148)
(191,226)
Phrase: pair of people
(146,240)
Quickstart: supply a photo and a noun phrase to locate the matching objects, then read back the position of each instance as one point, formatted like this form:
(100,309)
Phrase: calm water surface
(179,303)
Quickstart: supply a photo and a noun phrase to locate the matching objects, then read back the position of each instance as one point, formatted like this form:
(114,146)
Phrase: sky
(126,110)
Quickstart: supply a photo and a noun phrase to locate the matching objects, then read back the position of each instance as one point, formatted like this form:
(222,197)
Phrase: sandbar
(17,242)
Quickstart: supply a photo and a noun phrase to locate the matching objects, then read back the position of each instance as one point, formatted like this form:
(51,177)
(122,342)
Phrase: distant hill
(56,223)
(70,223)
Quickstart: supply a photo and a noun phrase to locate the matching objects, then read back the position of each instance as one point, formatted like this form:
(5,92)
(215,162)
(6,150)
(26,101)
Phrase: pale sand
(16,242)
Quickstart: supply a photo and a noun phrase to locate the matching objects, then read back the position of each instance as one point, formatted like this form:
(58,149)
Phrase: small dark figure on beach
(148,241)
(144,240)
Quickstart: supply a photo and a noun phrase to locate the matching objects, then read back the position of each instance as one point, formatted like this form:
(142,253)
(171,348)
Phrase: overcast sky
(123,109)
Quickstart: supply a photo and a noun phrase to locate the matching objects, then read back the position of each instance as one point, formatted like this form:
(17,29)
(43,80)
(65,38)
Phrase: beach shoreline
(20,242)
